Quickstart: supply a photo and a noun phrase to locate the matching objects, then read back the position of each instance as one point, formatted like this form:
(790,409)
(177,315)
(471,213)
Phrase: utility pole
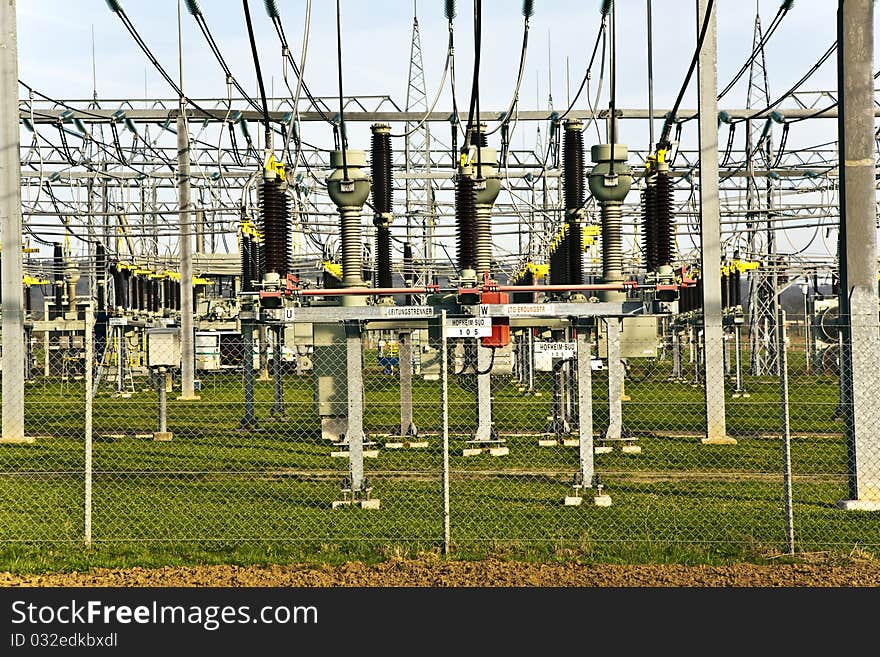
(10,235)
(710,233)
(860,357)
(187,331)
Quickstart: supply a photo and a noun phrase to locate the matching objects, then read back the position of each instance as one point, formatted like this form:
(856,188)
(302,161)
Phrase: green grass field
(218,494)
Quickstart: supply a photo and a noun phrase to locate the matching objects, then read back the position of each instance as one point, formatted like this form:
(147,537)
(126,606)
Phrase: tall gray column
(860,359)
(710,232)
(10,235)
(484,431)
(355,404)
(615,380)
(404,358)
(585,407)
(187,331)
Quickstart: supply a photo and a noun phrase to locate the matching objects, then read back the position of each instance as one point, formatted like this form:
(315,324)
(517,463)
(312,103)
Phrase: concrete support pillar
(860,358)
(710,233)
(10,235)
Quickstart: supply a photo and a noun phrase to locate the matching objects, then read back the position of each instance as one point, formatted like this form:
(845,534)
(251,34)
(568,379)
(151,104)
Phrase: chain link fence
(379,437)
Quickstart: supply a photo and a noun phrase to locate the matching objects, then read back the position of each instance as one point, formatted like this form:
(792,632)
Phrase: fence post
(89,359)
(444,429)
(786,431)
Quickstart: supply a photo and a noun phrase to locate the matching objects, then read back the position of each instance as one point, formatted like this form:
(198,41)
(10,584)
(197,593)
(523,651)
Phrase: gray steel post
(676,353)
(89,395)
(120,360)
(278,374)
(355,432)
(860,359)
(530,360)
(585,407)
(726,352)
(249,421)
(46,343)
(710,232)
(263,337)
(484,394)
(200,231)
(10,236)
(163,402)
(615,380)
(738,355)
(444,428)
(187,330)
(786,430)
(404,357)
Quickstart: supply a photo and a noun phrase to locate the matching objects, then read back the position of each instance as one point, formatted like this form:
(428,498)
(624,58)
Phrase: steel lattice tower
(419,198)
(763,300)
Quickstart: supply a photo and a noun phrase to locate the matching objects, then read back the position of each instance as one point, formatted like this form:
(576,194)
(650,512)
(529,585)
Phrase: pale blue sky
(55,46)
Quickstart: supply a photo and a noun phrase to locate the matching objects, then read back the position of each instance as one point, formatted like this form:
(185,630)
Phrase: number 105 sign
(468,327)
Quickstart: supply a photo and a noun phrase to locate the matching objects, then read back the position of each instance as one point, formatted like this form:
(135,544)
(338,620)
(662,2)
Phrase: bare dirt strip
(434,572)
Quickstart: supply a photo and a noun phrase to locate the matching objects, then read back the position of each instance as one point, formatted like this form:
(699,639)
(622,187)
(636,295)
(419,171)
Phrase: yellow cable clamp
(333,268)
(275,166)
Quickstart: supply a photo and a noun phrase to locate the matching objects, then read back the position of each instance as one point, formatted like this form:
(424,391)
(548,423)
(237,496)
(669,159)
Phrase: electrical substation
(320,312)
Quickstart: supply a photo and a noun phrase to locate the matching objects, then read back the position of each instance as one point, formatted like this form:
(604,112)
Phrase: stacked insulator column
(725,289)
(649,224)
(246,275)
(478,136)
(573,158)
(58,282)
(251,258)
(665,246)
(100,276)
(610,181)
(465,219)
(275,225)
(478,187)
(382,190)
(349,188)
(118,288)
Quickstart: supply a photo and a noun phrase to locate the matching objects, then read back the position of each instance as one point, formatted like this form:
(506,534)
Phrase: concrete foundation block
(631,449)
(417,444)
(547,443)
(859,505)
(471,451)
(341,503)
(339,454)
(499,451)
(603,449)
(368,504)
(371,453)
(393,445)
(23,440)
(602,500)
(163,436)
(572,500)
(570,442)
(727,440)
